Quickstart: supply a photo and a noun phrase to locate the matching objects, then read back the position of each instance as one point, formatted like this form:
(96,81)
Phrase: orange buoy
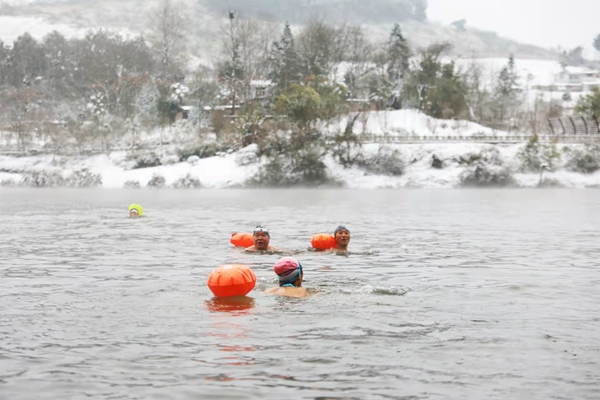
(242,239)
(323,241)
(231,280)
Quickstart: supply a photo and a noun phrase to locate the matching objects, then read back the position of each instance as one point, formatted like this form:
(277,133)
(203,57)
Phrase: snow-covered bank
(425,166)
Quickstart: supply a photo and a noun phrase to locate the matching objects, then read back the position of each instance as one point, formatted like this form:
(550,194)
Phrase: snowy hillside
(131,17)
(13,27)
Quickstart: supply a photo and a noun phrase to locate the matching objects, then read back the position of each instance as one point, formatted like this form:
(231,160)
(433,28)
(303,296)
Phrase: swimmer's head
(135,210)
(261,238)
(289,271)
(342,236)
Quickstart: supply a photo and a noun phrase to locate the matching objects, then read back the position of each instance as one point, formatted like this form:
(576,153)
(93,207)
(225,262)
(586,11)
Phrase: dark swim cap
(340,228)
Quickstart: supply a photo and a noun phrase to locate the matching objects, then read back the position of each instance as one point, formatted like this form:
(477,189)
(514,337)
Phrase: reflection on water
(229,304)
(444,294)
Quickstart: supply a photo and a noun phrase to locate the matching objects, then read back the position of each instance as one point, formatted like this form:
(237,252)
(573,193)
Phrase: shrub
(293,160)
(436,163)
(247,156)
(586,161)
(204,150)
(187,182)
(386,162)
(157,182)
(147,160)
(534,155)
(485,169)
(83,178)
(347,148)
(8,183)
(132,185)
(43,179)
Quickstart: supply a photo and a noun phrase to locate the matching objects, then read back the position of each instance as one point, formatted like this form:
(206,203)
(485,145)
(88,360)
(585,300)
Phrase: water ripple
(445,294)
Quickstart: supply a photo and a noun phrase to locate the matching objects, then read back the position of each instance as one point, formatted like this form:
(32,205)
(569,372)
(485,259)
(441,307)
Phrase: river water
(467,294)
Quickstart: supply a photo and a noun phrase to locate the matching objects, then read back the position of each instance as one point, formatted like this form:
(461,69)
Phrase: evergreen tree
(507,91)
(27,61)
(597,43)
(393,65)
(398,55)
(438,88)
(4,63)
(285,62)
(56,49)
(589,105)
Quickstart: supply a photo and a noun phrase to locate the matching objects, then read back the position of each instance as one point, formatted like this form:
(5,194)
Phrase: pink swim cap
(285,266)
(288,269)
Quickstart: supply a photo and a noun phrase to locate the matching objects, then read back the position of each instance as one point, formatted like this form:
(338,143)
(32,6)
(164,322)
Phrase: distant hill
(300,11)
(208,16)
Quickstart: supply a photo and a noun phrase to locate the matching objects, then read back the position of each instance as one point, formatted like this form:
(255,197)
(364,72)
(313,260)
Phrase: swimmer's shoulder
(289,292)
(272,290)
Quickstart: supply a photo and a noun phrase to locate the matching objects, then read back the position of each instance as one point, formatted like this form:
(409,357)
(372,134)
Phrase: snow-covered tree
(321,48)
(96,105)
(179,92)
(399,54)
(22,112)
(506,96)
(597,42)
(146,102)
(589,105)
(285,67)
(27,61)
(359,61)
(231,70)
(460,24)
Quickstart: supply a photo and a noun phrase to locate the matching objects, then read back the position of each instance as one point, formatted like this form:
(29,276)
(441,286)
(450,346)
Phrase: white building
(577,79)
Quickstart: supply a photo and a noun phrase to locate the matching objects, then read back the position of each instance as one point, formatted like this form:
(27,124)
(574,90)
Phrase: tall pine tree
(398,55)
(285,62)
(507,91)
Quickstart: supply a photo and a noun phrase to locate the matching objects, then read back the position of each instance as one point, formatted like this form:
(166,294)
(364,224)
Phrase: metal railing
(574,125)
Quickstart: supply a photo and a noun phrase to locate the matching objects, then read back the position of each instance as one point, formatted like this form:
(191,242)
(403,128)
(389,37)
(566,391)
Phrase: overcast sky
(547,23)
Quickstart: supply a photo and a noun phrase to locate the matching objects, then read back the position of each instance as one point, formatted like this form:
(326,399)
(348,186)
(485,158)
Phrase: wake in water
(309,250)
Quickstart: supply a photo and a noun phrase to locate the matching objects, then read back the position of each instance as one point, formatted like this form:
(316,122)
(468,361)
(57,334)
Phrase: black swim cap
(340,228)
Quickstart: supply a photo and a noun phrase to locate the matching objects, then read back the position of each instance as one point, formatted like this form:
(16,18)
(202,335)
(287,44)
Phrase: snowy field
(412,123)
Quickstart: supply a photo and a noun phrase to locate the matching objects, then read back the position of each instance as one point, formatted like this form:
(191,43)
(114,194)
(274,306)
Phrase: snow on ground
(412,123)
(225,171)
(214,172)
(539,72)
(13,27)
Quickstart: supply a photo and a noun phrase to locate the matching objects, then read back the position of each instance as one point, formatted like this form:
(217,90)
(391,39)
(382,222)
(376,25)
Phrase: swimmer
(261,238)
(342,239)
(135,211)
(290,276)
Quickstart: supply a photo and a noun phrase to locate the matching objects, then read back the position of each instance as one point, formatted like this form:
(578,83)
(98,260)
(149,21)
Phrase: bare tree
(23,113)
(253,51)
(322,47)
(231,69)
(168,30)
(358,57)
